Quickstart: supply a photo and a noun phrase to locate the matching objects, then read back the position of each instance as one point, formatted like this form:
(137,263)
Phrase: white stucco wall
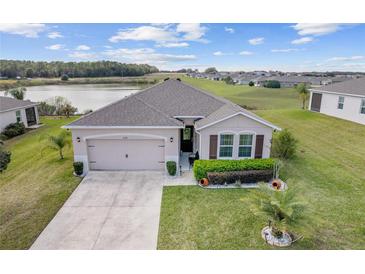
(350,111)
(9,117)
(236,125)
(172,149)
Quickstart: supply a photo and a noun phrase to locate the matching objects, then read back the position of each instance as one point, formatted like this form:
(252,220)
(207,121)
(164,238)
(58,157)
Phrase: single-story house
(13,110)
(344,100)
(167,122)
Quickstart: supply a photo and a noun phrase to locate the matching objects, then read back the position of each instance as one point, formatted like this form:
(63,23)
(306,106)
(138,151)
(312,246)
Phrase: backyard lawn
(328,173)
(34,186)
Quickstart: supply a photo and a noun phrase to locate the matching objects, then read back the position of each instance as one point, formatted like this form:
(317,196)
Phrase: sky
(229,47)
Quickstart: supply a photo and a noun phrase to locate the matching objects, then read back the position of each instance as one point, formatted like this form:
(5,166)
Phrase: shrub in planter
(243,176)
(171,168)
(79,168)
(13,130)
(202,167)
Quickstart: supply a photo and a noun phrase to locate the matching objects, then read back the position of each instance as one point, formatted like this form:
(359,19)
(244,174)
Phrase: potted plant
(78,168)
(171,168)
(276,183)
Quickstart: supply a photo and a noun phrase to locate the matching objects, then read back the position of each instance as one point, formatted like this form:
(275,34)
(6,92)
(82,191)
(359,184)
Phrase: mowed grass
(254,97)
(34,186)
(328,173)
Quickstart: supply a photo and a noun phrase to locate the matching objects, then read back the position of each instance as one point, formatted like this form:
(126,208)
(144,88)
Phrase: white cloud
(218,53)
(54,35)
(302,40)
(55,47)
(350,58)
(256,41)
(192,32)
(82,47)
(316,29)
(163,34)
(172,45)
(82,55)
(246,53)
(27,30)
(144,33)
(108,47)
(230,30)
(145,55)
(284,50)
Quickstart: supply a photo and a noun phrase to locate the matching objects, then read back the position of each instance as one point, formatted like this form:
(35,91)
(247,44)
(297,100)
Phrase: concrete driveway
(108,210)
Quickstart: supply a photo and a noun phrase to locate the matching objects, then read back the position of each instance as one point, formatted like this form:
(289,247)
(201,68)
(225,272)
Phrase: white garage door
(128,154)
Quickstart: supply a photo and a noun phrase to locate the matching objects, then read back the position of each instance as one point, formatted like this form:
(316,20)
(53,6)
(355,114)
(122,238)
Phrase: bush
(78,168)
(64,77)
(284,145)
(13,130)
(202,167)
(243,176)
(251,84)
(171,168)
(272,84)
(46,109)
(5,157)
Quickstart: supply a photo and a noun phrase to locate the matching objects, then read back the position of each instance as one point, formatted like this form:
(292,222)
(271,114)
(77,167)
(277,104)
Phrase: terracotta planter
(276,184)
(204,182)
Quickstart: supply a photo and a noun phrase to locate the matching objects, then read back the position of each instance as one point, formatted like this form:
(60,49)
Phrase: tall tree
(303,91)
(211,70)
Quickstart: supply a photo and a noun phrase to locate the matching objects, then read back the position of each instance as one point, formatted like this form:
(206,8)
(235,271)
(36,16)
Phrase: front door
(31,118)
(187,139)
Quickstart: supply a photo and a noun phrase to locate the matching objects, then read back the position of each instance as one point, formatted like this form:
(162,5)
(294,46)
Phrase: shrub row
(13,130)
(202,167)
(243,176)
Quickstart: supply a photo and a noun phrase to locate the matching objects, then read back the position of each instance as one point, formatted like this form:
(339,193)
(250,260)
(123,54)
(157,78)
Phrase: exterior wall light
(171,139)
(78,139)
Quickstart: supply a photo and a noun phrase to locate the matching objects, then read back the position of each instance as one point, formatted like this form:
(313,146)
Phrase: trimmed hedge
(244,176)
(202,167)
(13,130)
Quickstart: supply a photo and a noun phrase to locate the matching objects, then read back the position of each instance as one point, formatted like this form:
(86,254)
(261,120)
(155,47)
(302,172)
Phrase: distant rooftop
(8,103)
(351,87)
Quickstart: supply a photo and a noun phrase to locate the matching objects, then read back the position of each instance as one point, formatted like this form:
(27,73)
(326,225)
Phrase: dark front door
(316,102)
(31,119)
(187,139)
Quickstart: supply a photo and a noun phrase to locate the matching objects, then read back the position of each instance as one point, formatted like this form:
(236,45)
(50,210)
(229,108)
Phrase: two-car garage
(126,154)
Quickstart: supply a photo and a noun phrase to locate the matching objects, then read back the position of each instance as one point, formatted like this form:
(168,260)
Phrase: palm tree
(303,91)
(58,142)
(17,93)
(281,208)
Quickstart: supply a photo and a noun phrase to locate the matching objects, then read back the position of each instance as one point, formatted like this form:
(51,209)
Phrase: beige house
(169,121)
(13,110)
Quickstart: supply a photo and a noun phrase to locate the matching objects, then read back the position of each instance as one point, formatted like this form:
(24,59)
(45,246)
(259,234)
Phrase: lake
(84,97)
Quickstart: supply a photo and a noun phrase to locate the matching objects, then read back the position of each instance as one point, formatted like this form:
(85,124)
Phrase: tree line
(31,69)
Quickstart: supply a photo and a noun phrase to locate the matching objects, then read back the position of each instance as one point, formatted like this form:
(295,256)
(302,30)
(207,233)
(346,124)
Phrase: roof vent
(168,78)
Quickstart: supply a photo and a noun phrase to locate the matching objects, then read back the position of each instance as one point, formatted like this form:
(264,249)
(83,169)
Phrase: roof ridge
(156,109)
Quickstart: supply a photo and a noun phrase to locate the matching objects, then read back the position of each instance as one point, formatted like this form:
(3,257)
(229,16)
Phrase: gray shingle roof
(8,103)
(159,104)
(351,87)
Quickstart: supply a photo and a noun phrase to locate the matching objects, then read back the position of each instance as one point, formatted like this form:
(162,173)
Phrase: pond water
(84,97)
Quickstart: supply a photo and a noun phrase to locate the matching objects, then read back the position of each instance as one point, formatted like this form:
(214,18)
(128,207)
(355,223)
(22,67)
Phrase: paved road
(108,210)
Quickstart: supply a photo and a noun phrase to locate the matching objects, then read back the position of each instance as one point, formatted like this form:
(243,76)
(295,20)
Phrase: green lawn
(328,172)
(34,186)
(254,97)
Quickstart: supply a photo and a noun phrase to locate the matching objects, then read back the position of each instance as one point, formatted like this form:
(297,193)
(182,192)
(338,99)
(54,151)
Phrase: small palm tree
(58,142)
(281,208)
(303,91)
(17,93)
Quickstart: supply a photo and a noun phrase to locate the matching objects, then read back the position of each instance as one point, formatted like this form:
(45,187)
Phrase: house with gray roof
(168,122)
(13,110)
(345,100)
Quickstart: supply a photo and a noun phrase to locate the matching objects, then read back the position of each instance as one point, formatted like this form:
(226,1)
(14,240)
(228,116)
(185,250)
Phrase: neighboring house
(164,123)
(344,100)
(13,110)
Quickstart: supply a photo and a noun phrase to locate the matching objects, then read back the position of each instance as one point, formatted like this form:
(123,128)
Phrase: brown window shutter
(259,146)
(213,142)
